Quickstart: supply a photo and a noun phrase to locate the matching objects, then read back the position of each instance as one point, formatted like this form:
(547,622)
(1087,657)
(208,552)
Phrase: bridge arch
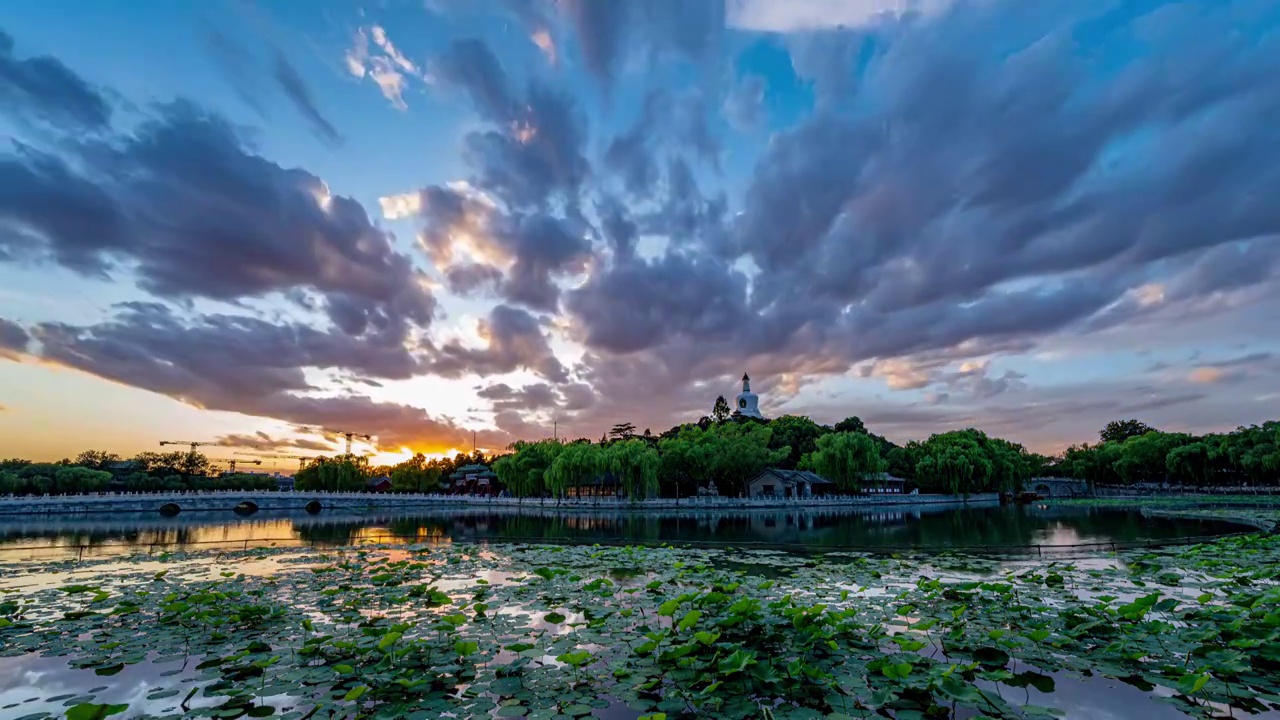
(314,507)
(170,509)
(245,507)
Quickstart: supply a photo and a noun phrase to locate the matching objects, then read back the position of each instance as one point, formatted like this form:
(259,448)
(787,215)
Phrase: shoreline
(320,501)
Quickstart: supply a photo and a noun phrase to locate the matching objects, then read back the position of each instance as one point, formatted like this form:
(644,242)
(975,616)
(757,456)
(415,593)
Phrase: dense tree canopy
(1247,456)
(1121,430)
(847,458)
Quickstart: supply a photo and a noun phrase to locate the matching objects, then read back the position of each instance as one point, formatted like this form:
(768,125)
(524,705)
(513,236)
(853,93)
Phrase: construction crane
(193,445)
(231,463)
(302,459)
(350,435)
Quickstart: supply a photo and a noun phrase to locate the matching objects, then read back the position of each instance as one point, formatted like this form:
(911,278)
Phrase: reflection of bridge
(1050,487)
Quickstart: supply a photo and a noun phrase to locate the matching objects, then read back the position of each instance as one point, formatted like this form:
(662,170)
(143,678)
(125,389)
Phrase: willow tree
(635,463)
(574,465)
(845,458)
(523,472)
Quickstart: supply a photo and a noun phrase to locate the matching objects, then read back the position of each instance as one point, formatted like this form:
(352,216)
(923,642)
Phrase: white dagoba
(747,401)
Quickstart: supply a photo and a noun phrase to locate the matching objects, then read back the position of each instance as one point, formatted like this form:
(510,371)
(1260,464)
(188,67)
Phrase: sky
(439,222)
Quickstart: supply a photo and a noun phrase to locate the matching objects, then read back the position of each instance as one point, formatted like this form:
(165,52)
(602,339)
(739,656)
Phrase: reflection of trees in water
(946,526)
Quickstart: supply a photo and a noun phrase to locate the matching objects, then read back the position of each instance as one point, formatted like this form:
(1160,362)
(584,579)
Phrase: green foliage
(798,434)
(845,458)
(1247,456)
(416,475)
(720,411)
(1120,430)
(344,473)
(635,464)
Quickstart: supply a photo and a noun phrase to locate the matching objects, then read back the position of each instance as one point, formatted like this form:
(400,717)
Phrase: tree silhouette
(720,412)
(1121,430)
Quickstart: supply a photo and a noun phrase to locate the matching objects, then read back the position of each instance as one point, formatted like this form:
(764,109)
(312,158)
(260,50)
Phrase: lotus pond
(489,630)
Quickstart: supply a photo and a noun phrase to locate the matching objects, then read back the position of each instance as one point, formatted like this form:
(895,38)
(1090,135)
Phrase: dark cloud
(245,365)
(244,68)
(14,339)
(641,304)
(666,122)
(299,93)
(262,441)
(534,248)
(467,278)
(606,31)
(41,87)
(472,67)
(47,211)
(514,340)
(534,150)
(183,204)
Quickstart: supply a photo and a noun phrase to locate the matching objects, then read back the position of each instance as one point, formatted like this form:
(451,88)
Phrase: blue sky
(262,222)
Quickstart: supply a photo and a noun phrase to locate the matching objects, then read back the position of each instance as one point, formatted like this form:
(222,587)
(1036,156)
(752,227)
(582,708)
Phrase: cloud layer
(947,196)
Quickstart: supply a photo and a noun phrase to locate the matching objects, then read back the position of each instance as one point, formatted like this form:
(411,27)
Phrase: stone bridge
(1049,487)
(240,502)
(249,502)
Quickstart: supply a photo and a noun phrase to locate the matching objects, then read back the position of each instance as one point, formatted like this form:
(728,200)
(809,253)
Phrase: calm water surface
(885,527)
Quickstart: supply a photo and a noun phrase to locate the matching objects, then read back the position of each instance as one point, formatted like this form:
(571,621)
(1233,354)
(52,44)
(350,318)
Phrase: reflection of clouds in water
(1089,699)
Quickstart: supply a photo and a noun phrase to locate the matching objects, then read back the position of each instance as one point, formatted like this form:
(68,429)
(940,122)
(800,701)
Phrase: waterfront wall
(315,502)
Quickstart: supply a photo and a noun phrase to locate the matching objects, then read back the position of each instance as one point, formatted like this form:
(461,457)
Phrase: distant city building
(748,403)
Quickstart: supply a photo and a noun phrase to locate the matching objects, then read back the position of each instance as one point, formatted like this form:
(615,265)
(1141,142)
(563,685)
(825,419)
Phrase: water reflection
(828,528)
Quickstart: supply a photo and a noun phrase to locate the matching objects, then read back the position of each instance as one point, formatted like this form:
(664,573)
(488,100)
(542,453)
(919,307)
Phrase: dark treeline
(726,452)
(98,471)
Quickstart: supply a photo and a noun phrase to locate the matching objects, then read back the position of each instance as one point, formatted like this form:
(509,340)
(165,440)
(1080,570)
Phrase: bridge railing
(442,499)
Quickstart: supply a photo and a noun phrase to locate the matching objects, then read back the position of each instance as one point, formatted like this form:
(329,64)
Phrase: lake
(1048,527)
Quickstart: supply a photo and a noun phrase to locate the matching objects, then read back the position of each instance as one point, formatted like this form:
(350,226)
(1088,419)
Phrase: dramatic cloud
(606,31)
(245,365)
(953,198)
(514,340)
(14,340)
(43,88)
(184,206)
(462,229)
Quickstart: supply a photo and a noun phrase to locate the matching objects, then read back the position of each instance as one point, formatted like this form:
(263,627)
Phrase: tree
(800,434)
(523,472)
(97,459)
(853,423)
(635,464)
(344,473)
(720,411)
(1191,463)
(623,431)
(846,458)
(1121,430)
(415,475)
(574,465)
